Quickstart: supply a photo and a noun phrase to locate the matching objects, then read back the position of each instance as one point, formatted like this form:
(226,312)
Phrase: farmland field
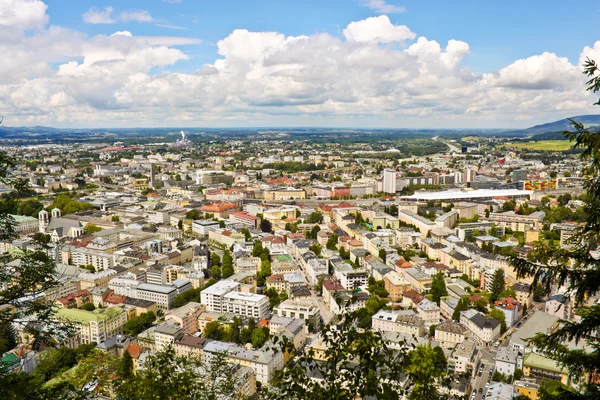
(548,145)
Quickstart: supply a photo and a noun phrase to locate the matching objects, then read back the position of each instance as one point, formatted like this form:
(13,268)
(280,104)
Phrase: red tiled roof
(217,207)
(332,285)
(274,278)
(134,350)
(114,298)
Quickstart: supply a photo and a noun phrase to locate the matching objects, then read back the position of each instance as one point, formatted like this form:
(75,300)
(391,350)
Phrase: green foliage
(576,269)
(425,366)
(498,314)
(438,288)
(247,234)
(169,376)
(463,304)
(377,288)
(332,242)
(498,285)
(316,248)
(259,337)
(382,254)
(215,259)
(90,228)
(315,218)
(186,297)
(266,226)
(275,297)
(193,214)
(312,234)
(227,265)
(88,307)
(358,364)
(214,330)
(68,205)
(139,324)
(8,339)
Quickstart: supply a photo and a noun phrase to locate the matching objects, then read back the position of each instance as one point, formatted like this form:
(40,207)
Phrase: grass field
(548,145)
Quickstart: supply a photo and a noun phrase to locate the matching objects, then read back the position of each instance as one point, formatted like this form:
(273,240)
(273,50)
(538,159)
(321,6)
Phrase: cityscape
(245,260)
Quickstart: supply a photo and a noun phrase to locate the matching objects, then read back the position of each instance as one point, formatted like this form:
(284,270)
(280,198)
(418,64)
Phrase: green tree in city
(227,264)
(438,288)
(356,364)
(577,270)
(266,226)
(498,285)
(193,214)
(463,304)
(425,366)
(498,314)
(169,376)
(315,218)
(332,242)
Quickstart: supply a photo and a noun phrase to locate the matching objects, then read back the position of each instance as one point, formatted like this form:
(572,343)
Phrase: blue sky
(363,63)
(497,31)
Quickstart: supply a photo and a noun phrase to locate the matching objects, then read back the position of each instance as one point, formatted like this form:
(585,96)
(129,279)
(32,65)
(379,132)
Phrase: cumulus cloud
(377,30)
(23,14)
(97,16)
(58,76)
(381,6)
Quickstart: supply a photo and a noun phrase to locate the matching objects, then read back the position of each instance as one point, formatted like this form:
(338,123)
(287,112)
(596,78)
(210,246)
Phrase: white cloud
(176,27)
(378,30)
(23,14)
(382,7)
(267,78)
(135,15)
(97,16)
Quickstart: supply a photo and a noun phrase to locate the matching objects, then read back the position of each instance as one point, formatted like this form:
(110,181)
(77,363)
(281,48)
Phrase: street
(478,382)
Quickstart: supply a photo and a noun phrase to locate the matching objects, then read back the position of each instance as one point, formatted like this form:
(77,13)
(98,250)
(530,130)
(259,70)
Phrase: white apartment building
(301,309)
(246,304)
(393,321)
(264,363)
(389,181)
(99,259)
(203,226)
(483,330)
(166,334)
(449,333)
(212,297)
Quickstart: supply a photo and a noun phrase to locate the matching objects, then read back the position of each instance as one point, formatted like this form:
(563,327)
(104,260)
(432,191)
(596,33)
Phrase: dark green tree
(438,288)
(498,285)
(577,269)
(169,376)
(266,226)
(332,242)
(357,364)
(463,304)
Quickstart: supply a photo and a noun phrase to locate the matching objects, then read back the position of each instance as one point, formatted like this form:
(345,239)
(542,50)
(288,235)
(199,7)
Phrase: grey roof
(538,322)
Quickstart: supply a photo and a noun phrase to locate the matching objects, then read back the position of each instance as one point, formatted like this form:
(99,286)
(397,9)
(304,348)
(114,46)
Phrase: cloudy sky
(334,63)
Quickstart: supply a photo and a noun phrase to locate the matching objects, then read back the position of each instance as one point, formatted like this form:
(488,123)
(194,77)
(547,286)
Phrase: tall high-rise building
(470,174)
(152,177)
(389,181)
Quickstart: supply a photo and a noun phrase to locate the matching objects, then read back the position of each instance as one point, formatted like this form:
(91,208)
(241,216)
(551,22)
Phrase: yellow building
(539,367)
(284,193)
(528,388)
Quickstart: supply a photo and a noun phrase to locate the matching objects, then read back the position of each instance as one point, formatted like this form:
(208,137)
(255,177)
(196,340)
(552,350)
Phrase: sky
(334,63)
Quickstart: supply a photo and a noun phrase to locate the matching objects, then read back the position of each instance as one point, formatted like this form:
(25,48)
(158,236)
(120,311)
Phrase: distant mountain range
(553,130)
(548,131)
